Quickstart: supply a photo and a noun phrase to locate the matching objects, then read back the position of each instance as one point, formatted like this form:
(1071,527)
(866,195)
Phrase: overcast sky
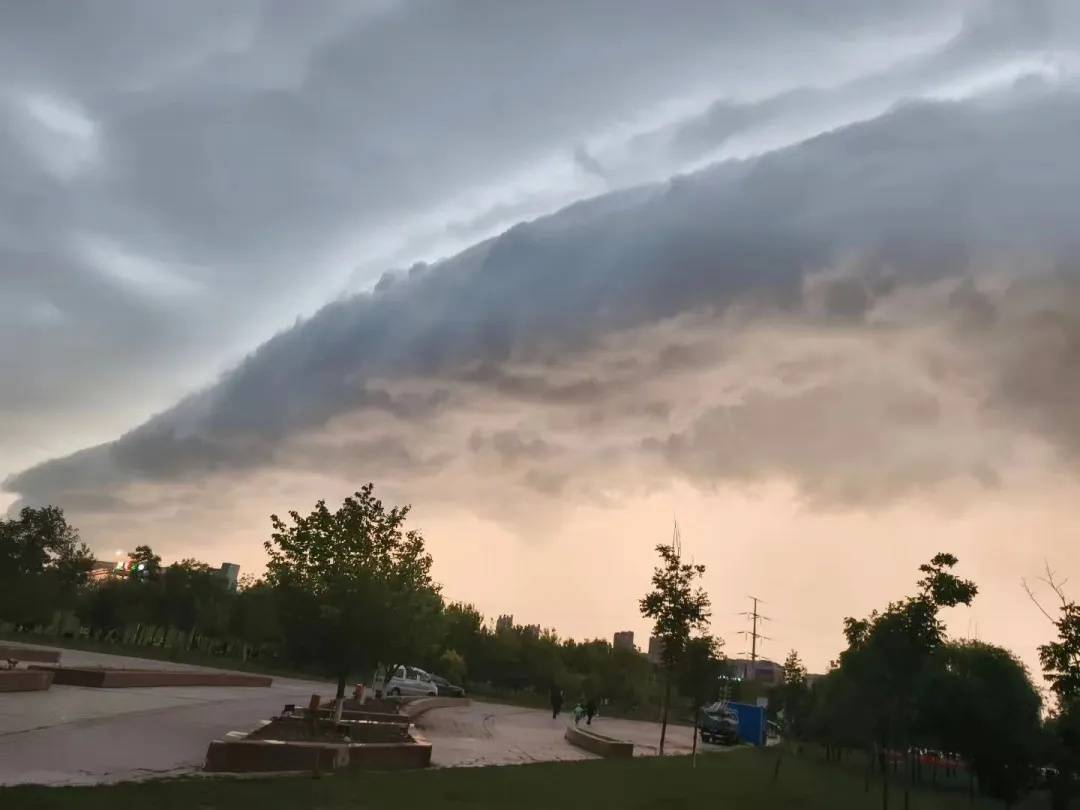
(802,274)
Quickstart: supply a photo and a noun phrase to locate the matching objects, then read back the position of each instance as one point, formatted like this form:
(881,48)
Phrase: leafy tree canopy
(358,584)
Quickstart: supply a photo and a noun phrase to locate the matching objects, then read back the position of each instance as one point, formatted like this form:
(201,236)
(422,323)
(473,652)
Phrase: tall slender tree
(678,607)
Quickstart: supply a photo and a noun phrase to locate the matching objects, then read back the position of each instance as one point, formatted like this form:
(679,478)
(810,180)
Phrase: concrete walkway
(74,735)
(496,734)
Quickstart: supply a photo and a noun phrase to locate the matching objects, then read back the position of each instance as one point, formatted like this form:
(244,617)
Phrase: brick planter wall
(374,717)
(127,678)
(10,652)
(598,743)
(415,707)
(24,680)
(257,756)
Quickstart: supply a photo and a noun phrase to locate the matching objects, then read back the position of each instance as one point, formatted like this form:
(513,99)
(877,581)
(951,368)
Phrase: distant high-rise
(504,623)
(656,650)
(230,572)
(624,640)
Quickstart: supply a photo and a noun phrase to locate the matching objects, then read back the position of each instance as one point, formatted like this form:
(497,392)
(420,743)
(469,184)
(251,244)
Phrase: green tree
(462,631)
(889,652)
(43,563)
(979,701)
(699,674)
(1060,661)
(254,616)
(700,669)
(144,563)
(356,584)
(678,607)
(793,696)
(452,666)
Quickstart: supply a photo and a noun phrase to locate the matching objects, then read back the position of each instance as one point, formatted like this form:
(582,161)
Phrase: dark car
(447,689)
(719,725)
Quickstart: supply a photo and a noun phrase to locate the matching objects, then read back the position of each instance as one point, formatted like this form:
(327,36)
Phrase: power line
(754,617)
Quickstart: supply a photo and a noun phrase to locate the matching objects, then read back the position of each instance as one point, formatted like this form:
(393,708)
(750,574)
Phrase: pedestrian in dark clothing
(590,710)
(556,701)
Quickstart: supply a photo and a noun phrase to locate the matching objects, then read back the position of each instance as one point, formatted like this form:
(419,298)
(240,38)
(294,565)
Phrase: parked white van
(409,681)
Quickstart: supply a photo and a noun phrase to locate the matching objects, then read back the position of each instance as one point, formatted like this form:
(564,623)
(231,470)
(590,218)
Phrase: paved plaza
(77,735)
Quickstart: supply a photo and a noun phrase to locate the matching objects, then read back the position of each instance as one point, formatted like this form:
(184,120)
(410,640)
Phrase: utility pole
(754,617)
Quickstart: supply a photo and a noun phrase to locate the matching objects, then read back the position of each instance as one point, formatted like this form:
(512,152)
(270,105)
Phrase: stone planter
(598,743)
(24,680)
(126,678)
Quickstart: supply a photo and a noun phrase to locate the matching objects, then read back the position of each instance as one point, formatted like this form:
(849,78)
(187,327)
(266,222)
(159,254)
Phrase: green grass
(737,780)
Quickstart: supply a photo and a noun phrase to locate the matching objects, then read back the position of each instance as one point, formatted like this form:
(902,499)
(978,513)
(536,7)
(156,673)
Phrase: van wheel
(395,692)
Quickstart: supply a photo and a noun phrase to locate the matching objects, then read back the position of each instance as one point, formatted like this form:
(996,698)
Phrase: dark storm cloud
(218,160)
(928,191)
(178,181)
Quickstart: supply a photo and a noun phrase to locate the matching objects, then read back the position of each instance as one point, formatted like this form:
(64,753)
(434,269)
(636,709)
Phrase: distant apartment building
(656,650)
(762,670)
(230,572)
(101,570)
(104,569)
(504,623)
(623,640)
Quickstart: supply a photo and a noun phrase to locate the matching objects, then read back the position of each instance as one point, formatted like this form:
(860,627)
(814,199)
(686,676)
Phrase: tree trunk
(664,715)
(693,748)
(910,778)
(884,778)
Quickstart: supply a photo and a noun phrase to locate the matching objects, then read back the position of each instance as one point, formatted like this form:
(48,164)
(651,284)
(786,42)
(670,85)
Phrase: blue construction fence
(752,727)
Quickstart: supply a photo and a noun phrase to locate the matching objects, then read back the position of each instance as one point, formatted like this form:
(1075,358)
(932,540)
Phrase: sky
(800,276)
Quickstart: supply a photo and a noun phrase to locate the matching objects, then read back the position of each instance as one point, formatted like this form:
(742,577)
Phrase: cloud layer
(178,185)
(813,270)
(960,209)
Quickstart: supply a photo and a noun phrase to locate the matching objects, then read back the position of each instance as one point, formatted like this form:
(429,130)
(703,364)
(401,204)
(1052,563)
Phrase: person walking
(590,710)
(579,712)
(556,700)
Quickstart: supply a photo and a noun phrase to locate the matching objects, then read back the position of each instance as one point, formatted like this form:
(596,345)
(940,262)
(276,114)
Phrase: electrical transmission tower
(754,617)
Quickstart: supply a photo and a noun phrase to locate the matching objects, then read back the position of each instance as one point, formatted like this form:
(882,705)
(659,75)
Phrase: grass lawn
(736,780)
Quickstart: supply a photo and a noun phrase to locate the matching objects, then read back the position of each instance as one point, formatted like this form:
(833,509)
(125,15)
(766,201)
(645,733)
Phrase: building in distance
(762,670)
(656,650)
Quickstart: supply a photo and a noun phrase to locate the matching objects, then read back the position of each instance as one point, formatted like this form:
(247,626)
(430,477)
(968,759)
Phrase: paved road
(76,735)
(496,734)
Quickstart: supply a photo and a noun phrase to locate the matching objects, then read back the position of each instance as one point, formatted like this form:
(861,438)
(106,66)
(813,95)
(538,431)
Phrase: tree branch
(1032,597)
(1055,586)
